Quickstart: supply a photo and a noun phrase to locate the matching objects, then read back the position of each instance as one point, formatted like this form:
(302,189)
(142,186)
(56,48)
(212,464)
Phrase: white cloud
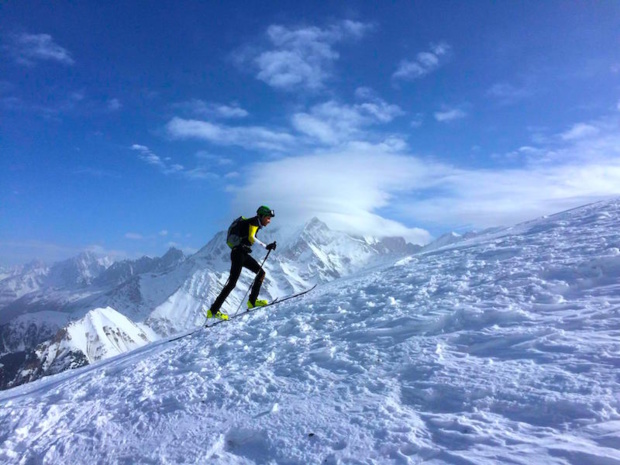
(300,58)
(333,123)
(479,199)
(163,232)
(134,236)
(449,114)
(213,159)
(328,123)
(579,131)
(28,49)
(573,171)
(214,110)
(227,111)
(417,121)
(365,93)
(199,172)
(355,188)
(508,94)
(251,137)
(425,62)
(316,128)
(148,157)
(343,188)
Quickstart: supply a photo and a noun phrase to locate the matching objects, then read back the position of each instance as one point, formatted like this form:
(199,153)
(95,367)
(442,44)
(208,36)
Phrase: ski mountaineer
(241,237)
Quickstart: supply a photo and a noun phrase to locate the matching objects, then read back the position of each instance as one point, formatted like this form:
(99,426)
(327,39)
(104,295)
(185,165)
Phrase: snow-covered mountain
(22,280)
(501,348)
(102,333)
(6,272)
(163,295)
(76,272)
(443,240)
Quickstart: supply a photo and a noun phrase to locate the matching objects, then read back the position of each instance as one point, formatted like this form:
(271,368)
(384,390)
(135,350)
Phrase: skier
(241,237)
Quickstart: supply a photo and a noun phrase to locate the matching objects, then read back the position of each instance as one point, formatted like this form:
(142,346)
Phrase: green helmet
(265,211)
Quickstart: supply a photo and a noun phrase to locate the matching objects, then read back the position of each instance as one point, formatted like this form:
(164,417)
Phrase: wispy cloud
(134,236)
(213,110)
(114,104)
(250,137)
(167,167)
(28,49)
(507,94)
(149,157)
(334,123)
(580,131)
(446,114)
(424,63)
(213,158)
(300,58)
(417,121)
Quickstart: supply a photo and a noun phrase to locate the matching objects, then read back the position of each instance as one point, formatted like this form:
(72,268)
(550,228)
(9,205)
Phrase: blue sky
(128,127)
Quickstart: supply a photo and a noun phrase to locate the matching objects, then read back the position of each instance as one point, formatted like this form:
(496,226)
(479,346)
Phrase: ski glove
(272,246)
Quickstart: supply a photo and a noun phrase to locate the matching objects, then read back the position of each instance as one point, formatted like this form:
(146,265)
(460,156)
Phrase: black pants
(240,259)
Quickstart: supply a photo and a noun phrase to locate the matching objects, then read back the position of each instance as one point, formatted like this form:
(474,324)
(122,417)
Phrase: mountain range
(90,308)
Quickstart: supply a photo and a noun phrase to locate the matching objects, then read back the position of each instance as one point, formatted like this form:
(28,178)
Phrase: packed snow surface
(501,348)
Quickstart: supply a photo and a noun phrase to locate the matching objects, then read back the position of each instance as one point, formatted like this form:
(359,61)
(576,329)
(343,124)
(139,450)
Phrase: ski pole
(246,292)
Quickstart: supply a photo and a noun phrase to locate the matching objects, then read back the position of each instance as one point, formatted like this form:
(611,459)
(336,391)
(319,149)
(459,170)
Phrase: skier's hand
(272,246)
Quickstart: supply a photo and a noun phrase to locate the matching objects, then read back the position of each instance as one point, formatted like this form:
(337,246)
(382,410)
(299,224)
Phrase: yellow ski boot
(219,315)
(258,303)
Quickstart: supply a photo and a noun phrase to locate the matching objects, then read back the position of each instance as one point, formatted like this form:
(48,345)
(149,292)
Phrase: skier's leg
(236,264)
(253,265)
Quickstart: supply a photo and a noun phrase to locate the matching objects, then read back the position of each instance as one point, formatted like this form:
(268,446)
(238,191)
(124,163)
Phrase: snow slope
(502,348)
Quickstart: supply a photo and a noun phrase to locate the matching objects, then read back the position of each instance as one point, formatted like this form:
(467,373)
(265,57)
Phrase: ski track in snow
(500,349)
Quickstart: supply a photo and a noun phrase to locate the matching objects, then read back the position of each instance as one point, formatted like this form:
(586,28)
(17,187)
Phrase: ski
(288,297)
(277,300)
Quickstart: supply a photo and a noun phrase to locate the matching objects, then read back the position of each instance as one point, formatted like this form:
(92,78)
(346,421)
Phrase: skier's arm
(252,236)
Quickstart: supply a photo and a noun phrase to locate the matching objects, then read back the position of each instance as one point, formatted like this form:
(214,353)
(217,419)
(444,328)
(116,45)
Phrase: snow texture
(498,348)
